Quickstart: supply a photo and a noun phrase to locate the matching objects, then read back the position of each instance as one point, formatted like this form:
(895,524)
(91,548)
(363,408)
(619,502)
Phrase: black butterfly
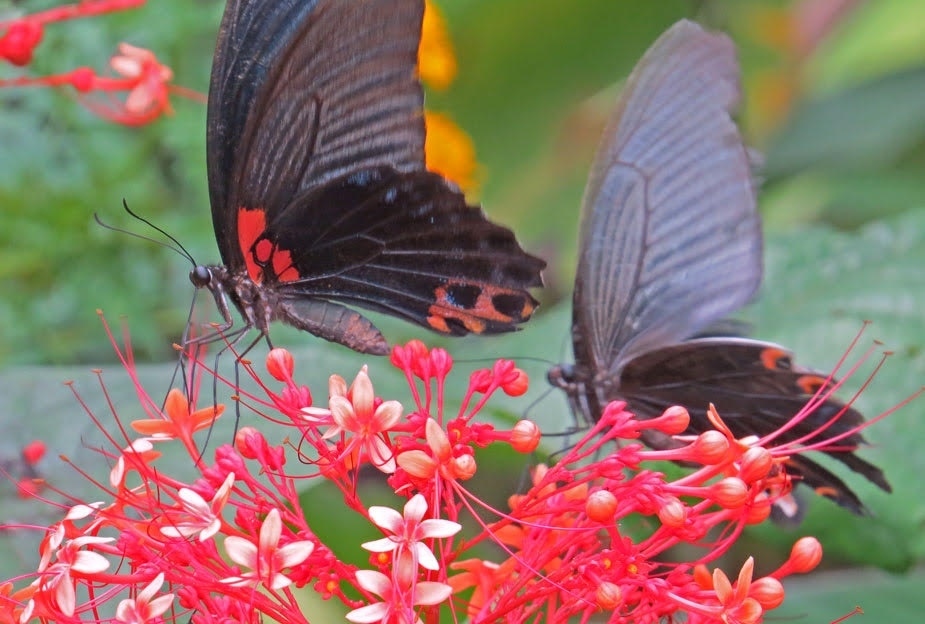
(319,190)
(670,244)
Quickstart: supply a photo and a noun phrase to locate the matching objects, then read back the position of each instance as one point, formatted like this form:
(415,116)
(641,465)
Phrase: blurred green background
(835,98)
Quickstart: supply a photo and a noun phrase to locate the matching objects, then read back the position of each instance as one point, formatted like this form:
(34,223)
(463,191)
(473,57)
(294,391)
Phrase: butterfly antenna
(180,249)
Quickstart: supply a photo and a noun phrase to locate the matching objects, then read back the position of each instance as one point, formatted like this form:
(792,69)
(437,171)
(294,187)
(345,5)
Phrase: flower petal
(386,518)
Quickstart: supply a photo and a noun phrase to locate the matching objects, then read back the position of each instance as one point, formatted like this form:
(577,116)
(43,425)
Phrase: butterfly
(671,244)
(319,191)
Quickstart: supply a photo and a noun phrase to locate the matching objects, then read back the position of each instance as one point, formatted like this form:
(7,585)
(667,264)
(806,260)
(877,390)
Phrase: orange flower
(450,152)
(178,422)
(436,61)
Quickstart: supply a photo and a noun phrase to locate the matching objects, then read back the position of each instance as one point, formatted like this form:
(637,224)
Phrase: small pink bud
(805,554)
(710,448)
(518,384)
(608,596)
(676,420)
(525,437)
(480,380)
(280,364)
(33,452)
(756,463)
(759,510)
(672,513)
(464,467)
(768,592)
(20,40)
(245,440)
(441,362)
(601,506)
(730,493)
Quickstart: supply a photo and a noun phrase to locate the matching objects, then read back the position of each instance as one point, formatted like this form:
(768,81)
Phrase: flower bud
(246,440)
(280,364)
(710,447)
(756,463)
(601,506)
(518,383)
(768,591)
(675,419)
(33,452)
(805,554)
(672,513)
(464,467)
(480,380)
(441,362)
(759,509)
(608,596)
(525,437)
(730,493)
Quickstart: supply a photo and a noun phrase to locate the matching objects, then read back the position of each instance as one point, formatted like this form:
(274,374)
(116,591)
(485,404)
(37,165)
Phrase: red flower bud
(768,592)
(710,447)
(601,506)
(676,420)
(730,493)
(464,467)
(672,513)
(756,462)
(608,596)
(525,437)
(518,384)
(280,364)
(805,554)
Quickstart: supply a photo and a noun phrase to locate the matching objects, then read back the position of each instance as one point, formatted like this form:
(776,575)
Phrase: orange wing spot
(472,304)
(811,384)
(251,224)
(827,491)
(771,358)
(438,323)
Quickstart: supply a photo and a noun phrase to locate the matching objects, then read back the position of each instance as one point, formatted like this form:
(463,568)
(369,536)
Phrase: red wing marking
(775,359)
(252,222)
(472,304)
(265,261)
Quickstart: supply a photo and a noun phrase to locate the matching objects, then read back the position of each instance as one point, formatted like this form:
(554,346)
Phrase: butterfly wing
(303,92)
(327,193)
(756,388)
(670,235)
(408,245)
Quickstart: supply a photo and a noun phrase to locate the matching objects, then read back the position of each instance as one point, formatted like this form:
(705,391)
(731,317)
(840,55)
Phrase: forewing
(406,244)
(670,237)
(304,92)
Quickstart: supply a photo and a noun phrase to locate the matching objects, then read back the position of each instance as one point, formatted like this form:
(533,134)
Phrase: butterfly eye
(200,276)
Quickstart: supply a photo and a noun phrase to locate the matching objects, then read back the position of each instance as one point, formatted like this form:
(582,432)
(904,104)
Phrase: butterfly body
(671,244)
(320,194)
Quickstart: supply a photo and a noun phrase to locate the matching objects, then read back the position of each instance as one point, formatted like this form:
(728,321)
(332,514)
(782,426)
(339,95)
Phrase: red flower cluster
(234,543)
(141,77)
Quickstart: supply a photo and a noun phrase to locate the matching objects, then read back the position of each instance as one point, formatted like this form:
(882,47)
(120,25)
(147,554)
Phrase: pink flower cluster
(236,544)
(144,81)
